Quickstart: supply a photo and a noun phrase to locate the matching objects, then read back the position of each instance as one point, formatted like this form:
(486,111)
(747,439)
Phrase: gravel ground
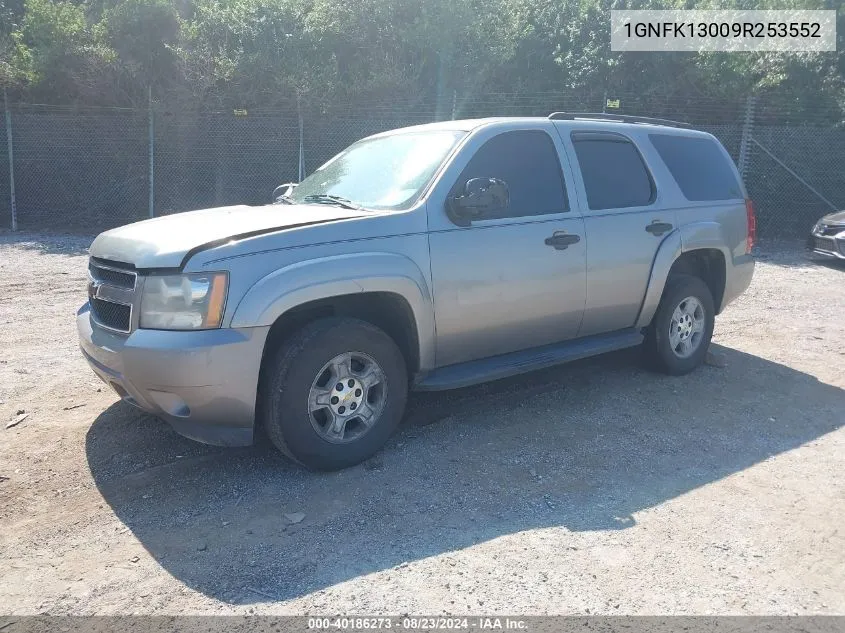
(596,487)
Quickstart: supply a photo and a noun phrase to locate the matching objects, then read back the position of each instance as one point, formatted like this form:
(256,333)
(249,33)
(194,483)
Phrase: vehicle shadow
(583,446)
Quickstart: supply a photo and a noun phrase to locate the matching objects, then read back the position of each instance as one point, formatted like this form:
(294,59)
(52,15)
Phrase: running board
(497,367)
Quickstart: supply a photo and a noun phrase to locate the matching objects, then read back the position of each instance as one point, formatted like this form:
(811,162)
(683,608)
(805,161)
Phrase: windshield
(389,172)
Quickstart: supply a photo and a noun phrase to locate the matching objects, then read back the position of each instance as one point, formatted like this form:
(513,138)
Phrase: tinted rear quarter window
(614,173)
(699,166)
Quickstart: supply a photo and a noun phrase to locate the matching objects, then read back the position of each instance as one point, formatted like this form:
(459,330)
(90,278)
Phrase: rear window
(699,166)
(614,173)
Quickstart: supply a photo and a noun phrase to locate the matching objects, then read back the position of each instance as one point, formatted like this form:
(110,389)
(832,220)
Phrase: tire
(658,344)
(298,374)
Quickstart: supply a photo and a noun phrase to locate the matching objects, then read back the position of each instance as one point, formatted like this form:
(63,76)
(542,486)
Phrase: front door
(514,279)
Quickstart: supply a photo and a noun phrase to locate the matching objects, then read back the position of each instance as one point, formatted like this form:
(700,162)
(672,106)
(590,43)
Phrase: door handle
(561,240)
(658,228)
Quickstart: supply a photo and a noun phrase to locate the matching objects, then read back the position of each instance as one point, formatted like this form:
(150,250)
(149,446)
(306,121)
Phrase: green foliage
(54,51)
(142,37)
(194,54)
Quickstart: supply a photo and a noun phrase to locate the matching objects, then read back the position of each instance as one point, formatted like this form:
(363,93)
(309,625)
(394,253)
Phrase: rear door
(623,220)
(516,280)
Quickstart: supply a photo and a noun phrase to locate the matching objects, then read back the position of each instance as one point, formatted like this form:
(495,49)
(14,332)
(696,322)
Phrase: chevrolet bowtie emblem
(94,288)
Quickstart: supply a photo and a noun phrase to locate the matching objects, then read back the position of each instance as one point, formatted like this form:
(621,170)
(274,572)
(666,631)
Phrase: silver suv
(427,258)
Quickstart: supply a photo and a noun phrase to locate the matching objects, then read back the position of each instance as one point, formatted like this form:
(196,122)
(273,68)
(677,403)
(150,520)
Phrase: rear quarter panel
(722,225)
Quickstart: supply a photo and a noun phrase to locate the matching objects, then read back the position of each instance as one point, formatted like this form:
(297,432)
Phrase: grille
(111,315)
(111,292)
(111,276)
(824,244)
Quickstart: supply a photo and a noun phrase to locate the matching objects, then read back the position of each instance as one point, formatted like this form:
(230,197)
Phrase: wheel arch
(705,257)
(388,311)
(385,289)
(708,264)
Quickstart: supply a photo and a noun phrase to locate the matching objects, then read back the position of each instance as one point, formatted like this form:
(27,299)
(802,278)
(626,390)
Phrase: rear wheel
(334,392)
(679,335)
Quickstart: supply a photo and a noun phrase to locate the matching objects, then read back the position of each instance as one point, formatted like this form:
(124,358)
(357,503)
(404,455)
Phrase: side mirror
(480,197)
(283,190)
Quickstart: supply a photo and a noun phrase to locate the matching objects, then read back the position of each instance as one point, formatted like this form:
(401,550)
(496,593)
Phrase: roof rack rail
(623,118)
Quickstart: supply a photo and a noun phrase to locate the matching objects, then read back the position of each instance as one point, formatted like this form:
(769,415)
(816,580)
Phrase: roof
(461,125)
(467,125)
(561,119)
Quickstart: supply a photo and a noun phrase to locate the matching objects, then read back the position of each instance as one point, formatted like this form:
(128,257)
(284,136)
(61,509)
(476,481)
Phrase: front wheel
(679,335)
(333,393)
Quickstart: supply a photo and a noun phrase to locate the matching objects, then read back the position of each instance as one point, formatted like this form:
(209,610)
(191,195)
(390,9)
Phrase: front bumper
(830,246)
(204,383)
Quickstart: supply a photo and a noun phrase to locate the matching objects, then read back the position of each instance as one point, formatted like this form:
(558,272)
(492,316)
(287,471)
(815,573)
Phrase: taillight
(752,225)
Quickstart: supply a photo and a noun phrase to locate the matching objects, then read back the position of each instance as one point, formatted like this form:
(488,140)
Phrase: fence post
(745,142)
(10,145)
(454,104)
(151,143)
(301,142)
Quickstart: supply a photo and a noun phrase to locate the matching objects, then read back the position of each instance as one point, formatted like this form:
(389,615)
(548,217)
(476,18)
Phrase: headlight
(183,302)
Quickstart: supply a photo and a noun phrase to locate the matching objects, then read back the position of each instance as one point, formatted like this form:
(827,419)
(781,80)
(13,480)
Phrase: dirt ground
(596,487)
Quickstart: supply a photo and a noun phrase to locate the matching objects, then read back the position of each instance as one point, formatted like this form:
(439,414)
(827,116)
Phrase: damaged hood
(166,242)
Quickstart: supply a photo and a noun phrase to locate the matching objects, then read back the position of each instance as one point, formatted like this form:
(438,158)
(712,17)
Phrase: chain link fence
(5,182)
(79,171)
(216,159)
(86,170)
(795,176)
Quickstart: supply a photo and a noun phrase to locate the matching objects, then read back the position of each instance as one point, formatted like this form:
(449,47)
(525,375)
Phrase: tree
(405,54)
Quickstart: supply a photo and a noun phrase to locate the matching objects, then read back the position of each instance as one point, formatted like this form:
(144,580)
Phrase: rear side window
(528,163)
(614,173)
(699,166)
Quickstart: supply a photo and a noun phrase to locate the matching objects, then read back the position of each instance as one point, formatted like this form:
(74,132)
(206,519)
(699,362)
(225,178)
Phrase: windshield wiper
(325,198)
(284,200)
